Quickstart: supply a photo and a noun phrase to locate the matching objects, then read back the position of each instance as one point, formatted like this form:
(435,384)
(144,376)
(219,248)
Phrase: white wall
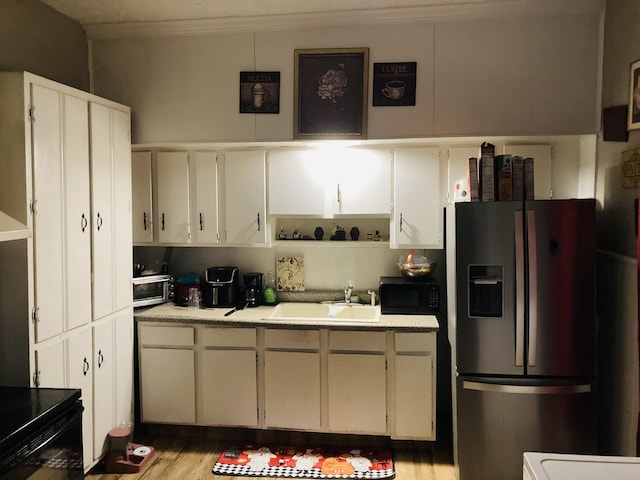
(534,75)
(36,38)
(617,279)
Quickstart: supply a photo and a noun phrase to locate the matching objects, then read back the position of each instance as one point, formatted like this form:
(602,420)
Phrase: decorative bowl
(415,271)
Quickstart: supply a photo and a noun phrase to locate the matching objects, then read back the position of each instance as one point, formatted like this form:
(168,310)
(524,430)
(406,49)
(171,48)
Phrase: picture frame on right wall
(634,96)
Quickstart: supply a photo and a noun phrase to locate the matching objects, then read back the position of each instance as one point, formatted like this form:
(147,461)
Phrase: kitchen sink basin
(316,312)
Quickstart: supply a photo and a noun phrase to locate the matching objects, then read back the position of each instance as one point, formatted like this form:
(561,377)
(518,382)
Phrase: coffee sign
(631,168)
(394,84)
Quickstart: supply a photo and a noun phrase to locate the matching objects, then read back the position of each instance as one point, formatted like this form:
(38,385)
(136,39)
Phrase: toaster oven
(152,290)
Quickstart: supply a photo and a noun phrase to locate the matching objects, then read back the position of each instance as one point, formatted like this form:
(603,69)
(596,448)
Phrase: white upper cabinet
(47,205)
(296,185)
(245,203)
(78,212)
(142,214)
(173,197)
(330,182)
(418,213)
(111,209)
(204,176)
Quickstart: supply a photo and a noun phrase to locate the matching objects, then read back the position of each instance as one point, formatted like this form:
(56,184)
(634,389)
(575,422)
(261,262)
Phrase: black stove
(40,430)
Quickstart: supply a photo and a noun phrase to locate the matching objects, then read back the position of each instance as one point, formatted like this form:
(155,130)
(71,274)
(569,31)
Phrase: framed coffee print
(259,92)
(330,93)
(634,96)
(394,84)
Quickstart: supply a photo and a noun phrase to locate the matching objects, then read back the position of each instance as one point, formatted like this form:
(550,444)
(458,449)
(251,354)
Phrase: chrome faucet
(348,290)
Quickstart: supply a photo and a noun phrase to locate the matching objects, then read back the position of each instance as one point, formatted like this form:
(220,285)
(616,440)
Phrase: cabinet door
(121,252)
(229,388)
(245,198)
(204,172)
(292,390)
(80,375)
(77,212)
(418,214)
(142,217)
(49,366)
(123,329)
(357,399)
(102,211)
(414,401)
(363,182)
(103,385)
(173,197)
(167,385)
(297,183)
(48,219)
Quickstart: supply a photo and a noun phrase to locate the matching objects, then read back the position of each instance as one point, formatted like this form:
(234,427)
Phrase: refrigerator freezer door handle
(533,288)
(527,389)
(520,302)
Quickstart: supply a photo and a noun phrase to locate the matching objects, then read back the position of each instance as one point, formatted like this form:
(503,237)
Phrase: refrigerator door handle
(527,389)
(533,288)
(520,300)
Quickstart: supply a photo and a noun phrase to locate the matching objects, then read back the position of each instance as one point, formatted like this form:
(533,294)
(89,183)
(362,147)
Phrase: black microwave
(405,296)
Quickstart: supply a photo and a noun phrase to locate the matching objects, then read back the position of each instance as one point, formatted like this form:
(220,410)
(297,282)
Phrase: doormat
(297,462)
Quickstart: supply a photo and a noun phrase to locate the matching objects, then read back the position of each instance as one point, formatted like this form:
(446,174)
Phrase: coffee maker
(253,289)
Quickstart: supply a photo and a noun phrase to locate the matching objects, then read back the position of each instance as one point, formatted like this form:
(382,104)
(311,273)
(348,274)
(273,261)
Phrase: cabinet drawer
(169,336)
(229,337)
(415,342)
(293,339)
(358,341)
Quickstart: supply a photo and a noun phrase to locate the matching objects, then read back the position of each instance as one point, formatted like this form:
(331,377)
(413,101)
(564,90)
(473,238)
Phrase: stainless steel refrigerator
(525,333)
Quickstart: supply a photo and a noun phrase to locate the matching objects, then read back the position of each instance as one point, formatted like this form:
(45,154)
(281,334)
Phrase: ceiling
(119,11)
(114,18)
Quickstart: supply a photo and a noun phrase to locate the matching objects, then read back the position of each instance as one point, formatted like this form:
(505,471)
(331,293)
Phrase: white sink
(315,312)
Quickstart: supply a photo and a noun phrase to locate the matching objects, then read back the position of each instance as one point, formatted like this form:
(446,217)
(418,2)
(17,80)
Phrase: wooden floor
(188,453)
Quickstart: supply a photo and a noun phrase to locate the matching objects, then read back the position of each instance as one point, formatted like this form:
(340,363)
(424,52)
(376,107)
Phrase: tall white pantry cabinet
(66,315)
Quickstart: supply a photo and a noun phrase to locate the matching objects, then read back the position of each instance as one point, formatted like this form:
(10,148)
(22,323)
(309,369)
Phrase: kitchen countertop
(259,316)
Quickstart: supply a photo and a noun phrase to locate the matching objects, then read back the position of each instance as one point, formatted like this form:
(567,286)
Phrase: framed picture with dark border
(259,92)
(394,84)
(330,93)
(634,96)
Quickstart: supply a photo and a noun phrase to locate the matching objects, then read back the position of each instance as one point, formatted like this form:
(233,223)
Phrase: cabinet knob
(99,221)
(258,214)
(400,221)
(83,222)
(144,220)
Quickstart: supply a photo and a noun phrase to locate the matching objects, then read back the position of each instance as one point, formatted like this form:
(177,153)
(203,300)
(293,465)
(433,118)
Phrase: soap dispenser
(269,290)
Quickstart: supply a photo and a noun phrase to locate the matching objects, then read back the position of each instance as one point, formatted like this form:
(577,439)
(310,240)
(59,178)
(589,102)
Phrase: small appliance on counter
(253,289)
(221,286)
(183,285)
(406,296)
(152,290)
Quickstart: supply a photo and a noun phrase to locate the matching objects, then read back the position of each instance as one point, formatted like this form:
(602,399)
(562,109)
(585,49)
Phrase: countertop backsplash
(326,269)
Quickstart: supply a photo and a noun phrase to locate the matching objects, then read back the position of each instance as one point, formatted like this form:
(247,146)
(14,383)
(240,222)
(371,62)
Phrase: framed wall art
(634,96)
(259,92)
(394,84)
(330,93)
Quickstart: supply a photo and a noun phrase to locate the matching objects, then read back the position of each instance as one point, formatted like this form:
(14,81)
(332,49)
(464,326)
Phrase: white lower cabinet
(357,387)
(292,390)
(79,356)
(228,379)
(103,385)
(357,382)
(167,374)
(305,379)
(414,386)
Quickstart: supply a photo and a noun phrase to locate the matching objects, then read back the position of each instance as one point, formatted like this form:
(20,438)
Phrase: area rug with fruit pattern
(298,462)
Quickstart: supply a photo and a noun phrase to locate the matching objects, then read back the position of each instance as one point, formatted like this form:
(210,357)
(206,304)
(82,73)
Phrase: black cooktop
(21,409)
